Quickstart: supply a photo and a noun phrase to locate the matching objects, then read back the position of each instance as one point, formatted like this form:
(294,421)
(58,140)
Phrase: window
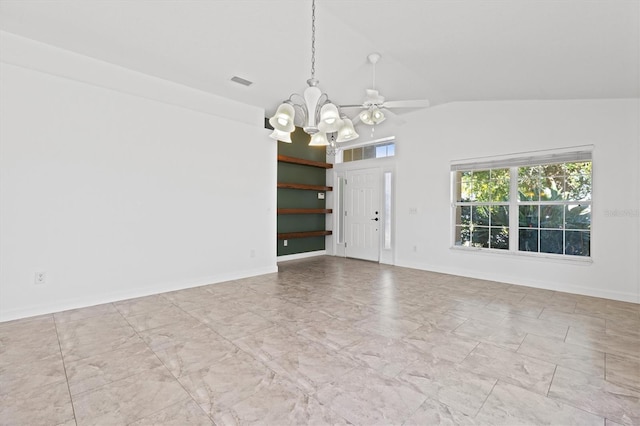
(340,209)
(387,211)
(554,208)
(482,210)
(529,204)
(367,152)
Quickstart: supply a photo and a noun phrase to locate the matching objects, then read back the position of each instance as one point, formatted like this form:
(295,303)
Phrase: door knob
(376,219)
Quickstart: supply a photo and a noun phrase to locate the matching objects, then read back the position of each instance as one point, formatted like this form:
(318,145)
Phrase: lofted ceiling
(442,50)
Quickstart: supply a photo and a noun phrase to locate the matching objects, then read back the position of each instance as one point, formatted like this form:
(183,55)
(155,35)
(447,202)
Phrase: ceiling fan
(375,107)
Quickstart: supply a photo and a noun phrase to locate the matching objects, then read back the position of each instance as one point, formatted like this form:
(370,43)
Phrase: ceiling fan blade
(418,103)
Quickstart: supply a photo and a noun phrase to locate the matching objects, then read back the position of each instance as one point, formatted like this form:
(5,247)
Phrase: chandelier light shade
(282,121)
(330,120)
(319,116)
(319,139)
(347,132)
(281,136)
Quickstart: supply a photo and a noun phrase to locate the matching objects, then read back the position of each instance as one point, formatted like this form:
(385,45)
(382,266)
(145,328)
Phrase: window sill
(582,260)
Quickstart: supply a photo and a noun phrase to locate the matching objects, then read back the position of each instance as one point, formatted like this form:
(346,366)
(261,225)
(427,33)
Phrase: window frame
(513,163)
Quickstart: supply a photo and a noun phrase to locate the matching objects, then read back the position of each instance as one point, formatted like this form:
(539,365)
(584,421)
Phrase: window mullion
(513,209)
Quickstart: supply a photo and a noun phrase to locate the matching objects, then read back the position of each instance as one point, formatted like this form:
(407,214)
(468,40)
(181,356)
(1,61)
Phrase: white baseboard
(523,281)
(297,256)
(64,305)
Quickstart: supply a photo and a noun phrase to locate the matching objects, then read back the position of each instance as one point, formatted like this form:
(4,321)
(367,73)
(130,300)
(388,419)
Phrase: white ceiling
(443,50)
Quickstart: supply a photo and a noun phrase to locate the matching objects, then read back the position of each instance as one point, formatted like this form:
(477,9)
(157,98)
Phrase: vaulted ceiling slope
(443,50)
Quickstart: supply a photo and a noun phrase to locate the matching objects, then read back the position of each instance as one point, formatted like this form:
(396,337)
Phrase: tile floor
(329,341)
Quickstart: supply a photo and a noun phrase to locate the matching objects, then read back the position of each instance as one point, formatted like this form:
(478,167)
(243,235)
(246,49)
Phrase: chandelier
(320,118)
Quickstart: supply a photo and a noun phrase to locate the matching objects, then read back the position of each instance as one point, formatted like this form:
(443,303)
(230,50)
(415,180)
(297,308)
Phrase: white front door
(363,215)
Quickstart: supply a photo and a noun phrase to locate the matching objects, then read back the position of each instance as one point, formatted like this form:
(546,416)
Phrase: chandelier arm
(322,101)
(307,113)
(296,99)
(301,115)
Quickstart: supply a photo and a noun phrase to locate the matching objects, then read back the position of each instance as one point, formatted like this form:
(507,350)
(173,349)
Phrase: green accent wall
(300,148)
(296,198)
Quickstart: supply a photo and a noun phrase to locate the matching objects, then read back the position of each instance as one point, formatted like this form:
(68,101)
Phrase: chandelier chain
(313,39)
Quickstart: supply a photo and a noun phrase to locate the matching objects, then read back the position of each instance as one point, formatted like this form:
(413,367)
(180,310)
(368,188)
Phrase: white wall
(432,138)
(118,185)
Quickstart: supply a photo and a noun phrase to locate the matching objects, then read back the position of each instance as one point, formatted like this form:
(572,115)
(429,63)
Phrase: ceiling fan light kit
(372,116)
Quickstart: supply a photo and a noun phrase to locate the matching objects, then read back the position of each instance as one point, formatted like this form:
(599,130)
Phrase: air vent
(241,80)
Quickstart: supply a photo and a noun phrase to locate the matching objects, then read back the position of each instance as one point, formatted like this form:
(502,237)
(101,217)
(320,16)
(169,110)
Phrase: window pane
(528,216)
(578,243)
(480,215)
(551,216)
(480,236)
(464,185)
(551,242)
(391,150)
(357,154)
(500,238)
(387,210)
(463,236)
(578,181)
(499,215)
(340,202)
(381,151)
(528,183)
(577,216)
(347,155)
(499,185)
(463,215)
(369,152)
(551,182)
(528,240)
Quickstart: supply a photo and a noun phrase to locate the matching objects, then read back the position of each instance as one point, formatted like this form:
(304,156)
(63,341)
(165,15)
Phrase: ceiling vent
(241,80)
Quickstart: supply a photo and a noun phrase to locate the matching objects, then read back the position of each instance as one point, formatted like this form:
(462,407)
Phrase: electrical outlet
(320,195)
(40,278)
